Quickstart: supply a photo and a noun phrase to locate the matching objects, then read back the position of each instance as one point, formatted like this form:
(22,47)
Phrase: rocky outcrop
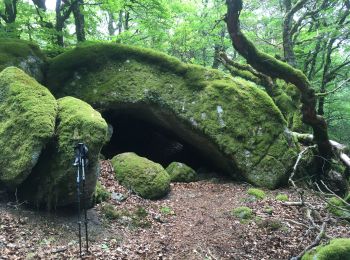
(27,123)
(180,172)
(53,180)
(230,121)
(146,178)
(24,55)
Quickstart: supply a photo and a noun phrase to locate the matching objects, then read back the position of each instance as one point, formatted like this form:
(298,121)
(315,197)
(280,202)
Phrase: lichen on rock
(233,124)
(146,178)
(180,172)
(24,55)
(27,122)
(53,180)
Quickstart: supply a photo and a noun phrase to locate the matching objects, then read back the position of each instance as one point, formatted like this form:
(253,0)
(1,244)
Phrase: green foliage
(243,212)
(257,193)
(148,179)
(101,194)
(337,249)
(109,211)
(180,172)
(282,197)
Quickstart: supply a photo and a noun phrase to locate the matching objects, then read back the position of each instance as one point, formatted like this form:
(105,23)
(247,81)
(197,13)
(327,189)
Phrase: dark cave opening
(135,133)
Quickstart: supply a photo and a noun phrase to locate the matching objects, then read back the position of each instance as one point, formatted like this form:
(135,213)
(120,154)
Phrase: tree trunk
(277,69)
(79,20)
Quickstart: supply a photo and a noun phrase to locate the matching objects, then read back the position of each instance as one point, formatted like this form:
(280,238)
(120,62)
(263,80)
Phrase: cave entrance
(134,131)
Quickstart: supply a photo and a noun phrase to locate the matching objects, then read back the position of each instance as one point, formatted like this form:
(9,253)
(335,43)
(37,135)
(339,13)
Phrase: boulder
(53,180)
(337,249)
(180,172)
(27,123)
(230,121)
(24,55)
(146,178)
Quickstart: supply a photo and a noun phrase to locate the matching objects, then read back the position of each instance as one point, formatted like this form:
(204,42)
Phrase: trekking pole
(78,202)
(84,205)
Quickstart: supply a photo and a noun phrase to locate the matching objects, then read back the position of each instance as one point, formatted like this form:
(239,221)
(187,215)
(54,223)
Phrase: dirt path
(193,222)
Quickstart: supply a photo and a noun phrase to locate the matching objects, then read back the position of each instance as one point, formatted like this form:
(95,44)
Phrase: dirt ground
(194,221)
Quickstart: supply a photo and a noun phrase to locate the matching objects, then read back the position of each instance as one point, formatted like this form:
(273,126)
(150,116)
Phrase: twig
(315,242)
(332,192)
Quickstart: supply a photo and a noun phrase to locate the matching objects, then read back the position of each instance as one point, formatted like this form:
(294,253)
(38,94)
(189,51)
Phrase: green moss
(337,249)
(109,211)
(27,122)
(243,212)
(257,193)
(144,177)
(338,208)
(53,181)
(282,197)
(180,172)
(232,122)
(23,54)
(101,194)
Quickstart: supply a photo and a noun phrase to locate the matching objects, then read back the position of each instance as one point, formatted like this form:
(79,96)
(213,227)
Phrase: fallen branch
(316,242)
(332,192)
(338,147)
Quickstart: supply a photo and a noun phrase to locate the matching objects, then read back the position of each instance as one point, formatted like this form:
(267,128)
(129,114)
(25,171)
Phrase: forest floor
(194,221)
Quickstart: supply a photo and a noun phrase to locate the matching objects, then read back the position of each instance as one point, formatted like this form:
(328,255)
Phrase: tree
(276,69)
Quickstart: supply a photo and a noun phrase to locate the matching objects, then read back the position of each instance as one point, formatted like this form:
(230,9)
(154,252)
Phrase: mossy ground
(243,212)
(146,178)
(27,123)
(229,120)
(337,249)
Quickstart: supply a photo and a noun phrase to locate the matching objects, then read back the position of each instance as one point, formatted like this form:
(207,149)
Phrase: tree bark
(274,68)
(79,20)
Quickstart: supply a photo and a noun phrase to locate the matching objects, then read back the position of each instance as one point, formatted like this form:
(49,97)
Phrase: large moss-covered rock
(337,249)
(233,123)
(146,178)
(53,180)
(27,122)
(24,55)
(180,172)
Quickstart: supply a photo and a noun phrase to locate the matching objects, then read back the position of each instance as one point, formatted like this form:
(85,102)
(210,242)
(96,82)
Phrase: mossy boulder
(27,123)
(53,180)
(230,121)
(180,172)
(337,249)
(146,178)
(24,55)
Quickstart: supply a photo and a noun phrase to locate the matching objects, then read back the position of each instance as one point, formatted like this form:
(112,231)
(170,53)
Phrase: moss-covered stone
(282,197)
(101,194)
(180,172)
(234,124)
(146,178)
(243,212)
(53,180)
(337,249)
(27,122)
(257,193)
(24,55)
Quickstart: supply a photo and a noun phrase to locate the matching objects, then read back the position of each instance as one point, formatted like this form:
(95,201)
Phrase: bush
(257,193)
